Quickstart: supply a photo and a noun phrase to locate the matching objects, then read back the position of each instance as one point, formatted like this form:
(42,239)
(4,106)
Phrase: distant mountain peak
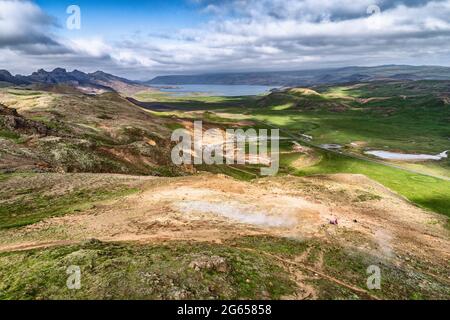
(5,72)
(59,70)
(6,76)
(98,72)
(98,81)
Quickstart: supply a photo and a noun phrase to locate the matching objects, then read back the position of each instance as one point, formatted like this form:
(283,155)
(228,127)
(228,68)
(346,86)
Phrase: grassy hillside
(83,133)
(427,192)
(382,118)
(210,236)
(402,116)
(245,268)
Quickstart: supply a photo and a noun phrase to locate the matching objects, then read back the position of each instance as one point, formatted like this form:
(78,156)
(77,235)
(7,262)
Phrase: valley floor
(138,227)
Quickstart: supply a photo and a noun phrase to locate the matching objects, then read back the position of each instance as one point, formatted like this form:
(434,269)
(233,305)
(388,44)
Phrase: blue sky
(116,17)
(142,39)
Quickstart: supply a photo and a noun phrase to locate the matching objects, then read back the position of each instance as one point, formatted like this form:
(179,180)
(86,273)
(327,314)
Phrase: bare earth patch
(215,208)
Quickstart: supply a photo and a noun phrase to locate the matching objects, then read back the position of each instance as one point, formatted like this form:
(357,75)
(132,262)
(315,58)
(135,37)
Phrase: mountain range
(98,81)
(311,77)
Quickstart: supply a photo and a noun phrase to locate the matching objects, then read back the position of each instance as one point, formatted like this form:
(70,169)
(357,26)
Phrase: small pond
(406,157)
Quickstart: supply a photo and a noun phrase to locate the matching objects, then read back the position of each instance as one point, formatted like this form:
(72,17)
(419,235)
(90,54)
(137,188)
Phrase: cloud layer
(24,27)
(242,35)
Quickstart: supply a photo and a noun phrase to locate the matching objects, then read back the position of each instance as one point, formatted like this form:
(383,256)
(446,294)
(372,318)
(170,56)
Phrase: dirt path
(314,272)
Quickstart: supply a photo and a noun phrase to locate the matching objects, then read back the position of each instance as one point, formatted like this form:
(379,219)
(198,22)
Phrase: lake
(215,90)
(405,157)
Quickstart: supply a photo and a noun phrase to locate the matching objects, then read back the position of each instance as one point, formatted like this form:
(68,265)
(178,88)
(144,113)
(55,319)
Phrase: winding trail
(314,272)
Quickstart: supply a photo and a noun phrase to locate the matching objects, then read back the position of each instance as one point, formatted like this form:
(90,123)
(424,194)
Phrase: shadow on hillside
(195,105)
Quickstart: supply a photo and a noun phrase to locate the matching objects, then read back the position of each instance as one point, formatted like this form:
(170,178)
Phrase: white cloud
(94,47)
(249,35)
(24,23)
